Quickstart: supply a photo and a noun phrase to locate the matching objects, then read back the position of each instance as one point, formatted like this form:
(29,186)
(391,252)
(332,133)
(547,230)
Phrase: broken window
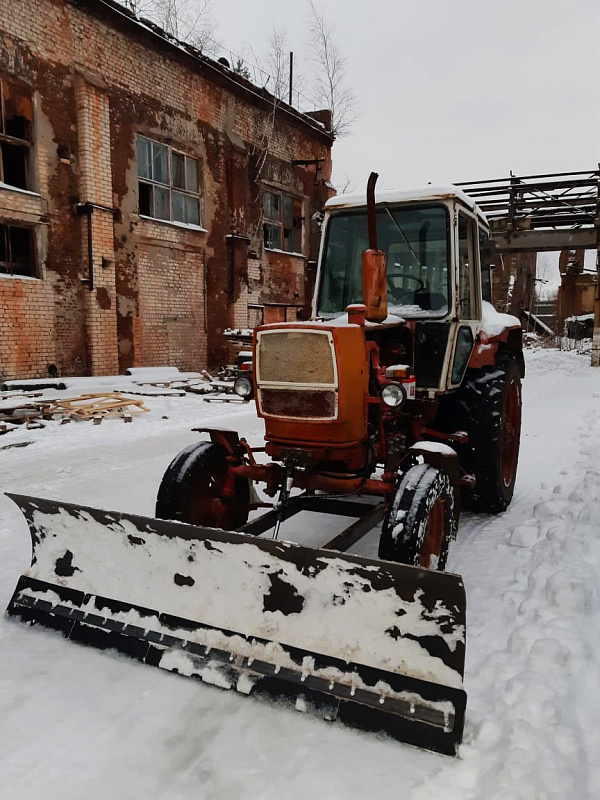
(282,222)
(17,251)
(15,135)
(168,184)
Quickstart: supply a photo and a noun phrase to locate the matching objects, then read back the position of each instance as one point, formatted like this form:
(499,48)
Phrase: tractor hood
(312,383)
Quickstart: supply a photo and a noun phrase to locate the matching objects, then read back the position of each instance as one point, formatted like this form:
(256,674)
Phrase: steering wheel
(391,275)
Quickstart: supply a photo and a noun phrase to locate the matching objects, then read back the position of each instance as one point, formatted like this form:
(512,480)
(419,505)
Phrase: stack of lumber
(94,406)
(14,412)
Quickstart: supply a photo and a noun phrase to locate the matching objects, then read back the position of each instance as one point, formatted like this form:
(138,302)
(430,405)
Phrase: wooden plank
(90,405)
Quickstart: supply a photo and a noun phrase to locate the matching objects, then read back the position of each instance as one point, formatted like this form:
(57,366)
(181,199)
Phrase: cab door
(468,287)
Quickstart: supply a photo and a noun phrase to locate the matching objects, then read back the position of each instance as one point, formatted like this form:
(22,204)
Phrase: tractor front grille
(298,404)
(296,374)
(296,357)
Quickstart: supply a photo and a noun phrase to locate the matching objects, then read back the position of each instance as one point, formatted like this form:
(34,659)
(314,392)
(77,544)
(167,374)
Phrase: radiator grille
(302,404)
(296,357)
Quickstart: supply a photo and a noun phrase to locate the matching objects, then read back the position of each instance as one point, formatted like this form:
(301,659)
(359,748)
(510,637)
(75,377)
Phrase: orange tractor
(398,401)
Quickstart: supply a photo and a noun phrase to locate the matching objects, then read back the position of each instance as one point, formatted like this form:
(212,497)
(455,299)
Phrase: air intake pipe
(373,264)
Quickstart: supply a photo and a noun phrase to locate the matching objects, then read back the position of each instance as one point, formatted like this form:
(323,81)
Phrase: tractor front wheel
(420,521)
(199,488)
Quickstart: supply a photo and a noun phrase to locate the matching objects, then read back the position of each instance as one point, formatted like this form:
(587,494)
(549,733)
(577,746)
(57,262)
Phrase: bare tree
(139,7)
(329,88)
(275,68)
(239,68)
(186,20)
(347,186)
(277,63)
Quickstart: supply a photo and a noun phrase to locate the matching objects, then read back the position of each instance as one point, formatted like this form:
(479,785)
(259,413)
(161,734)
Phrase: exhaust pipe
(373,264)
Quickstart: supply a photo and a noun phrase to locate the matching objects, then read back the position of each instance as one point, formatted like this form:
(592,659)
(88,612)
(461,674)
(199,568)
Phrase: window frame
(295,231)
(472,284)
(8,140)
(7,267)
(167,186)
(358,245)
(485,266)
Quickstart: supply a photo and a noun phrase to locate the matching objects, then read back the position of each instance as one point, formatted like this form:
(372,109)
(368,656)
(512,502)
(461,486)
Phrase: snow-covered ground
(75,722)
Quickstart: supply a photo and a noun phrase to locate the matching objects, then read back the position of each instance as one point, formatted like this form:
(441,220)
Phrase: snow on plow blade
(377,645)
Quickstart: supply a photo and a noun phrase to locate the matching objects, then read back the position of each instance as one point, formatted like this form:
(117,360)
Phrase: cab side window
(468,269)
(485,259)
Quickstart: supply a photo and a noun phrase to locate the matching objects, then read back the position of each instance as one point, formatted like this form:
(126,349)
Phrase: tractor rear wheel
(420,521)
(199,488)
(489,410)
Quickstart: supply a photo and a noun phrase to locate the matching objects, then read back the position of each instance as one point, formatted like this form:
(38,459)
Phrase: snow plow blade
(377,645)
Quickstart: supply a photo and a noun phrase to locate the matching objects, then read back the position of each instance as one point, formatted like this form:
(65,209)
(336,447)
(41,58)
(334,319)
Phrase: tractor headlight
(393,395)
(243,387)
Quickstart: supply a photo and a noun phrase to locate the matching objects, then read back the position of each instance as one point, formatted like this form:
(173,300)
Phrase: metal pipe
(264,473)
(371,220)
(88,210)
(90,249)
(205,287)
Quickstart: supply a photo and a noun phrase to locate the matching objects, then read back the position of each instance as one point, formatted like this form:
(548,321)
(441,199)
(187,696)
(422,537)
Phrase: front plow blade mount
(377,645)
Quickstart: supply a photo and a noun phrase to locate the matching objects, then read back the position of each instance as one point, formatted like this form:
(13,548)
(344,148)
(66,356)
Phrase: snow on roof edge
(262,93)
(405,196)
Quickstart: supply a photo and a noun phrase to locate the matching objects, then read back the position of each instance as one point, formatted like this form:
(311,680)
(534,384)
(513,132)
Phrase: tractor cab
(397,313)
(430,241)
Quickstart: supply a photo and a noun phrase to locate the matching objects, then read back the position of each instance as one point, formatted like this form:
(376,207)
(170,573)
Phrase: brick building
(149,197)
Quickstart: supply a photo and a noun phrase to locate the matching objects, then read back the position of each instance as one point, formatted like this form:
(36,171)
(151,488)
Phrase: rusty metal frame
(540,212)
(309,162)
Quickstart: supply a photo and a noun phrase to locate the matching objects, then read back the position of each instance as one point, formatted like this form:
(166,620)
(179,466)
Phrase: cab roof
(390,196)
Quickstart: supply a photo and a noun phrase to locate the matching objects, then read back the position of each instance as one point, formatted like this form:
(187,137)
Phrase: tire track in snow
(532,579)
(532,649)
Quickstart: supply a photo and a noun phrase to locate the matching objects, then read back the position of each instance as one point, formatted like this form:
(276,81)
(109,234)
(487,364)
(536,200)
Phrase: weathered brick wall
(44,318)
(162,294)
(26,330)
(27,339)
(172,305)
(95,196)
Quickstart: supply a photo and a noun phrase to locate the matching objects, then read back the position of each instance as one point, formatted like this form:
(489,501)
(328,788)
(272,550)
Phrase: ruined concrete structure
(577,290)
(149,198)
(513,282)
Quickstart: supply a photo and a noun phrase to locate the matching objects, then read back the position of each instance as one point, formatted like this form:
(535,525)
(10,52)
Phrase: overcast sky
(450,90)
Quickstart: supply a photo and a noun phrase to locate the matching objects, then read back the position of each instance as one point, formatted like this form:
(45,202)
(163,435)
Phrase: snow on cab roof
(405,196)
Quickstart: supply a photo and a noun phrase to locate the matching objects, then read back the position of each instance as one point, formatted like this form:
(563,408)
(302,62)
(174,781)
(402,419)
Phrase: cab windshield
(416,246)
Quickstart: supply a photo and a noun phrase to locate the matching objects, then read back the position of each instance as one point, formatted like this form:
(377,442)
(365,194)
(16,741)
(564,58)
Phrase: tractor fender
(444,458)
(227,438)
(500,335)
(489,349)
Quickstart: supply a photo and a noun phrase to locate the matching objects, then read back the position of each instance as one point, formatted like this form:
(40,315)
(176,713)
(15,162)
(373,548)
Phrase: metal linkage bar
(344,540)
(369,516)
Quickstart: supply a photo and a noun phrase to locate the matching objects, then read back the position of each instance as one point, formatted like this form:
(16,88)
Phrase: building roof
(113,10)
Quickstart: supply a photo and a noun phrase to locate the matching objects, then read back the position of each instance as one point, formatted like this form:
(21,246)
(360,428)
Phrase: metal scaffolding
(538,213)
